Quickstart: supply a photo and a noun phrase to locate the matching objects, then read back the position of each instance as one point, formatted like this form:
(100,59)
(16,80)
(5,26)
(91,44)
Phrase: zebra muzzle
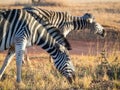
(103,34)
(71,79)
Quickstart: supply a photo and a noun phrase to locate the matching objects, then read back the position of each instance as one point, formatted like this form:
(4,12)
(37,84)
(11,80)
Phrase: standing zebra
(66,22)
(18,29)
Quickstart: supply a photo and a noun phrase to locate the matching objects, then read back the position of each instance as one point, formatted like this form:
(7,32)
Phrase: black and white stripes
(20,29)
(64,21)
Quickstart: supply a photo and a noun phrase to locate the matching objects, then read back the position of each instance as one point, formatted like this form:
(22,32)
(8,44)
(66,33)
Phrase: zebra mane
(35,13)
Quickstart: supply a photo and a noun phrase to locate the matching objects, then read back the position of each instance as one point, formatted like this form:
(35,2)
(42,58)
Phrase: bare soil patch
(81,48)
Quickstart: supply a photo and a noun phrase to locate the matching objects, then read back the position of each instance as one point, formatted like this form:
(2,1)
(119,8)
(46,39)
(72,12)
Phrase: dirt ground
(79,48)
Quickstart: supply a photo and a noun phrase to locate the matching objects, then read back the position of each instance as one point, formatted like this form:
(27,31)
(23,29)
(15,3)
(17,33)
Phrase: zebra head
(93,25)
(98,29)
(63,63)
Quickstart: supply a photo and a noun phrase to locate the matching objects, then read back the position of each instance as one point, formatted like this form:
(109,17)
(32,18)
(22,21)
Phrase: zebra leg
(10,54)
(26,58)
(20,46)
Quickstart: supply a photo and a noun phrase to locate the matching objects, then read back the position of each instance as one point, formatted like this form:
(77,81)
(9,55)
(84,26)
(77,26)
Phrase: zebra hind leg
(10,54)
(26,60)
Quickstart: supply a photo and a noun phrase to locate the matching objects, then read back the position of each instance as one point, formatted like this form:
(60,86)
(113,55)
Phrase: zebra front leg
(20,50)
(10,54)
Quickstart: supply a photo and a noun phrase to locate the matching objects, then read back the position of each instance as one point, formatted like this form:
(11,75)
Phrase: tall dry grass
(100,72)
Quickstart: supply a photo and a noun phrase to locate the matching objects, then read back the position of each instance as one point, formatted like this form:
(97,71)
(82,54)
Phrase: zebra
(18,30)
(66,22)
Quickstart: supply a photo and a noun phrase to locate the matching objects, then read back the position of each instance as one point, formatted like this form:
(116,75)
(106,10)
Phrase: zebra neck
(79,23)
(54,52)
(58,19)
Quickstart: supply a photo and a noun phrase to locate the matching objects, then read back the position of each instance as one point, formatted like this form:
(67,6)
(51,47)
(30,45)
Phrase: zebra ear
(60,47)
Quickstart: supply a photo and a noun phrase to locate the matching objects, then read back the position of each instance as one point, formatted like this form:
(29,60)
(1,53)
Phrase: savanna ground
(97,61)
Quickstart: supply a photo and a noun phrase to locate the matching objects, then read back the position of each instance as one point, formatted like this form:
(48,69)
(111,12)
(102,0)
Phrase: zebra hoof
(3,77)
(20,86)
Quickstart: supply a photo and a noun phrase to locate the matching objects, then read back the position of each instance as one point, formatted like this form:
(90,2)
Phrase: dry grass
(92,72)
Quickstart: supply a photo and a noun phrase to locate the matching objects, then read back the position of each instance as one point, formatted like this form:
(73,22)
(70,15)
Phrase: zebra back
(57,19)
(38,12)
(62,20)
(43,19)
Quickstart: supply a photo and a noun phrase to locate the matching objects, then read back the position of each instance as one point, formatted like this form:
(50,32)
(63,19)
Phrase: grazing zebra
(66,22)
(18,30)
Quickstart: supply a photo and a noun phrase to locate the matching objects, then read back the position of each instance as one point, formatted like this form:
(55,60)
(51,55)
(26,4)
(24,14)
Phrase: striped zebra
(66,22)
(18,30)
